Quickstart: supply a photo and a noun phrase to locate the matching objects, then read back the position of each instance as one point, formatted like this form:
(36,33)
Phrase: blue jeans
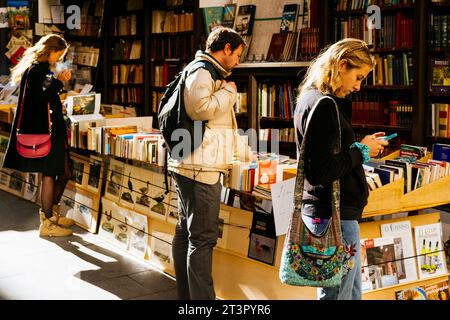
(350,288)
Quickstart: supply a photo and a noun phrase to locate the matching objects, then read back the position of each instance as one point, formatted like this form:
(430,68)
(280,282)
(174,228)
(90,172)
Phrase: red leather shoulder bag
(33,145)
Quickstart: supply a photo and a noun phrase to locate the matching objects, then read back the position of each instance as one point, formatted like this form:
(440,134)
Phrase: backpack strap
(205,64)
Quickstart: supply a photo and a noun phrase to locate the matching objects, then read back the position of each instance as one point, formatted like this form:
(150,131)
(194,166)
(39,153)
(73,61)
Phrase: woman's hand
(65,75)
(375,145)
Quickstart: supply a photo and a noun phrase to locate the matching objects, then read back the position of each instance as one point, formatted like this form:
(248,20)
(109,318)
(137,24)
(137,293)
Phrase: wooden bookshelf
(411,94)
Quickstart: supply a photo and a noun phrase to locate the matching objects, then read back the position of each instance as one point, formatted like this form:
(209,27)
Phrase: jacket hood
(202,55)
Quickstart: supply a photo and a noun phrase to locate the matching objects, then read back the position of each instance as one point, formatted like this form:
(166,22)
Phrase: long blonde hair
(323,72)
(45,45)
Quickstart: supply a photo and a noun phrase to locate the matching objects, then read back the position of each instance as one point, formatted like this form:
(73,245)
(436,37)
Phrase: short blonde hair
(323,72)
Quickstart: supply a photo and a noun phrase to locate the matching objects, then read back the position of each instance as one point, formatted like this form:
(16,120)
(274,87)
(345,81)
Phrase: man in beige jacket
(210,99)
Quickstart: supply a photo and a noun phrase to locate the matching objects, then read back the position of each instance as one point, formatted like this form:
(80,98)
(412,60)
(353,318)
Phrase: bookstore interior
(123,54)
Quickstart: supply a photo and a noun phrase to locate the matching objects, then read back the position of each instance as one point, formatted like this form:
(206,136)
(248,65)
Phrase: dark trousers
(195,237)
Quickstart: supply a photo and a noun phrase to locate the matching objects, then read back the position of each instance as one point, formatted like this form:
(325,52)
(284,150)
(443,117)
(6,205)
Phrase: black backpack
(172,113)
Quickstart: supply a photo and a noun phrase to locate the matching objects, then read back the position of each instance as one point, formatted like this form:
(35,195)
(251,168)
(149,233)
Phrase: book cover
(440,75)
(416,152)
(267,173)
(245,20)
(386,176)
(405,249)
(276,46)
(441,152)
(417,293)
(212,17)
(289,18)
(229,14)
(429,250)
(380,262)
(263,240)
(438,291)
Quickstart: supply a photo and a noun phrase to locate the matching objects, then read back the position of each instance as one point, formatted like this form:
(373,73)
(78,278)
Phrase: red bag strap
(21,108)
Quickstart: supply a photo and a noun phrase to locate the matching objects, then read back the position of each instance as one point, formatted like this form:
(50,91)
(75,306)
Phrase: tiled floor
(82,266)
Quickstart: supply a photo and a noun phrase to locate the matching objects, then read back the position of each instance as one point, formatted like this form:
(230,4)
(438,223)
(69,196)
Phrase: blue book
(441,152)
(289,18)
(386,176)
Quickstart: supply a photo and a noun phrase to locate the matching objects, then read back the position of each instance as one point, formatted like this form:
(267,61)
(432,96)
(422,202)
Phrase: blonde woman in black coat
(41,89)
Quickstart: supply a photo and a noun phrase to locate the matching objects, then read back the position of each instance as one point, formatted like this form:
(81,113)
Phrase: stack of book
(410,166)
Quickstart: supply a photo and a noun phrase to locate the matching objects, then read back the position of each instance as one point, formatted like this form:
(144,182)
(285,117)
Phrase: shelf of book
(128,61)
(372,230)
(393,88)
(391,50)
(388,293)
(126,84)
(296,64)
(439,139)
(385,9)
(439,94)
(391,198)
(380,127)
(172,34)
(73,37)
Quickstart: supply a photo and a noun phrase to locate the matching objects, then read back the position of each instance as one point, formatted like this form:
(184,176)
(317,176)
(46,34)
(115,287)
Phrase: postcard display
(138,215)
(81,198)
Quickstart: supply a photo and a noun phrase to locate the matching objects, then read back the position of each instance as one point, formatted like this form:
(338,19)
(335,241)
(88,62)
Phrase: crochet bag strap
(295,230)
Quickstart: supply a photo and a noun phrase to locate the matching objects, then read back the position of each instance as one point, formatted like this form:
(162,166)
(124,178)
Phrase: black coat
(322,166)
(39,93)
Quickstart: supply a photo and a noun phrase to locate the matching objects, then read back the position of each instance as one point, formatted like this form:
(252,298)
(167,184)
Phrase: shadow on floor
(84,265)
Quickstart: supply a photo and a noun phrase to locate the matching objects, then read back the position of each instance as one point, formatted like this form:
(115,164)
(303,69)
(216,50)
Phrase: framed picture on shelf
(440,75)
(31,186)
(114,180)
(80,169)
(158,199)
(126,194)
(138,235)
(107,223)
(16,183)
(68,201)
(141,182)
(85,211)
(95,174)
(160,246)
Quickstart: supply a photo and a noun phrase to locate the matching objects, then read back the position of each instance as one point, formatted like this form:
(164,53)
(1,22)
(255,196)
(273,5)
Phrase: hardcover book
(229,14)
(213,18)
(440,75)
(277,45)
(289,18)
(245,20)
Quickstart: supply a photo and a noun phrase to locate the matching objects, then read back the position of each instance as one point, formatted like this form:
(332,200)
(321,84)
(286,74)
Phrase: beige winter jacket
(211,101)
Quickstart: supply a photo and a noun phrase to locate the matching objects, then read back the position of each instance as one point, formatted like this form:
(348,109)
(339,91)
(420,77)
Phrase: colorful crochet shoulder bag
(308,259)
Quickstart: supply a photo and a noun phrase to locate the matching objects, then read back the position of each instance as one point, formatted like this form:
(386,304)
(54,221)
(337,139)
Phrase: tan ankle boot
(61,220)
(49,228)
